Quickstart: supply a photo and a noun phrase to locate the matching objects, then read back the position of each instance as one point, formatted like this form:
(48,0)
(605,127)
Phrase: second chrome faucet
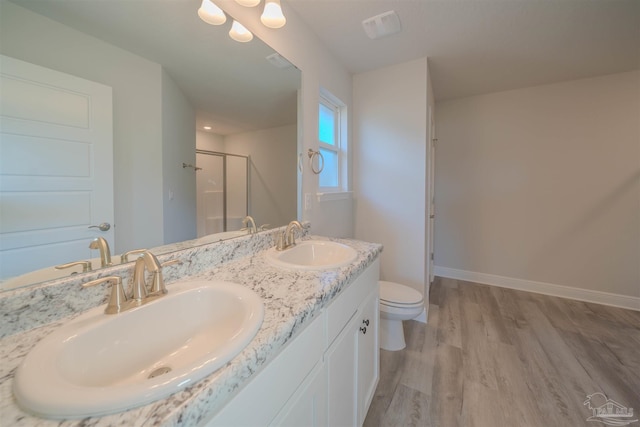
(287,239)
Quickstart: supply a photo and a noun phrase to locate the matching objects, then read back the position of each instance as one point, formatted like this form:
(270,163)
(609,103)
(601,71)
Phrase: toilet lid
(397,294)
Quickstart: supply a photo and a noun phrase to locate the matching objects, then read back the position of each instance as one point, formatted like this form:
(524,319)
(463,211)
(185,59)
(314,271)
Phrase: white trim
(422,317)
(334,195)
(587,295)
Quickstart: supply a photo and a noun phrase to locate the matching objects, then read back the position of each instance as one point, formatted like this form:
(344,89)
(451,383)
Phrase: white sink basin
(99,364)
(313,255)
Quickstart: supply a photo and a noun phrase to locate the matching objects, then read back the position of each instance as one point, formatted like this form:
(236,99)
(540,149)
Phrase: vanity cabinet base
(326,376)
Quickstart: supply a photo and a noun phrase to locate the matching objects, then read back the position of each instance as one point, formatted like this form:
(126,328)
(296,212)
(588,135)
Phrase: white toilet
(397,303)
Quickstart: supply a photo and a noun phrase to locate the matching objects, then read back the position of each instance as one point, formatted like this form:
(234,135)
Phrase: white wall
(178,147)
(319,69)
(273,198)
(390,135)
(137,132)
(541,187)
(209,141)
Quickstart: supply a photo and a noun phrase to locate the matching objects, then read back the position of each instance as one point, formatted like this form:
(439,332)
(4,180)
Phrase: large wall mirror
(204,128)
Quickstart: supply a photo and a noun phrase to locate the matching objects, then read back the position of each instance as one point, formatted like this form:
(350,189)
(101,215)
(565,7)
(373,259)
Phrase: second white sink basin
(313,255)
(99,364)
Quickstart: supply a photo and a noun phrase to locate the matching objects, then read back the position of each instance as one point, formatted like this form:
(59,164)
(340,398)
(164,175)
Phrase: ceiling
(483,46)
(232,85)
(473,46)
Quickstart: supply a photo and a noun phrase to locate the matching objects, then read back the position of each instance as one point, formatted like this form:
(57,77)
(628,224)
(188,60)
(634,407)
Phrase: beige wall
(390,167)
(543,184)
(272,172)
(178,147)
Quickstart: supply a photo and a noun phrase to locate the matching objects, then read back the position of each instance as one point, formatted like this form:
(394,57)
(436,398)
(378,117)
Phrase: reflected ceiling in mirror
(233,87)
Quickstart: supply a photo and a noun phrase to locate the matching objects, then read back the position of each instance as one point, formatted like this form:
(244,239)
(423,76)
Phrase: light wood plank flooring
(497,357)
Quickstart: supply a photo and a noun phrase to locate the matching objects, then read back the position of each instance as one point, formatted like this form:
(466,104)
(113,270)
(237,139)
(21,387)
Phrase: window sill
(334,195)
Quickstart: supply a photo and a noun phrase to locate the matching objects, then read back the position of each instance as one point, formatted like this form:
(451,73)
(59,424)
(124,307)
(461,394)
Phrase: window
(332,143)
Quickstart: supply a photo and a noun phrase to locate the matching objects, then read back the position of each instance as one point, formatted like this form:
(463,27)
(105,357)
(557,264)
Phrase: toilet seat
(399,296)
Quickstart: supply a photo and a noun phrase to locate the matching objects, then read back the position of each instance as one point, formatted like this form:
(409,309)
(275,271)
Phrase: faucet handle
(171,262)
(118,297)
(125,256)
(86,266)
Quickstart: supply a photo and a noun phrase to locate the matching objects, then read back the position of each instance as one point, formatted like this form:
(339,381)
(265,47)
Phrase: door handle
(105,226)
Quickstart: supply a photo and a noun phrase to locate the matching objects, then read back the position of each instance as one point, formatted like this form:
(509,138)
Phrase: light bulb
(248,3)
(239,33)
(272,15)
(211,14)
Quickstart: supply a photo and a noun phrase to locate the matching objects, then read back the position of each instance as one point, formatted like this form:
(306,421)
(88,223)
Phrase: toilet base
(391,335)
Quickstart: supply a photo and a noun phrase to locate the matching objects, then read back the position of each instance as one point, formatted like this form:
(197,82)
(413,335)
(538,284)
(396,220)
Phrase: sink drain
(160,371)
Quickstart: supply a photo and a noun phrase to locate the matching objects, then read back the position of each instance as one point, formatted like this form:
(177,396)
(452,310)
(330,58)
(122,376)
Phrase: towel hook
(311,153)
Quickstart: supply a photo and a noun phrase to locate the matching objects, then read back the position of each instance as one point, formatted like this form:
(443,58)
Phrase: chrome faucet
(105,254)
(249,220)
(140,292)
(288,237)
(149,262)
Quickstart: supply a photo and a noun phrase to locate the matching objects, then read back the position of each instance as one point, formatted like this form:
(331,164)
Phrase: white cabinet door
(368,354)
(342,359)
(308,406)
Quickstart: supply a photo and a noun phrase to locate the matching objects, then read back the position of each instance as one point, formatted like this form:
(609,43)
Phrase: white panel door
(56,166)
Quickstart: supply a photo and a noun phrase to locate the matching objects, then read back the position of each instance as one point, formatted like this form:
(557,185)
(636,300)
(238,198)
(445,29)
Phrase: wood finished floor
(497,357)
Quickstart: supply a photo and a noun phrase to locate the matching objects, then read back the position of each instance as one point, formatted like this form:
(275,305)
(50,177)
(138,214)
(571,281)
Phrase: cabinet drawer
(342,309)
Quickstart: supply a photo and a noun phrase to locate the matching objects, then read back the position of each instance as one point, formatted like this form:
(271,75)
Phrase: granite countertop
(291,299)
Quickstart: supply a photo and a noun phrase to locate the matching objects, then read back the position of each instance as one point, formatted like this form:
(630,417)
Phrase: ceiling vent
(382,25)
(279,61)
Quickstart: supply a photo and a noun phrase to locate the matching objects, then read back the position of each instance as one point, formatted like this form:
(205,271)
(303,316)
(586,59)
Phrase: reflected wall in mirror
(170,75)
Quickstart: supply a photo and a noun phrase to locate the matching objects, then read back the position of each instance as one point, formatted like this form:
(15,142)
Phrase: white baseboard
(587,295)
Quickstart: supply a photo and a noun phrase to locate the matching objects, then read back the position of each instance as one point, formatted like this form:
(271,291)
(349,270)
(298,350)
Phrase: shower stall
(222,191)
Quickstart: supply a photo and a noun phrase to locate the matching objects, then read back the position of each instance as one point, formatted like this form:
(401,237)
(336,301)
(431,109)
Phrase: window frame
(340,146)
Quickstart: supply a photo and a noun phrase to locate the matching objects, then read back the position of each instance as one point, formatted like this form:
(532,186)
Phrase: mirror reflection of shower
(222,186)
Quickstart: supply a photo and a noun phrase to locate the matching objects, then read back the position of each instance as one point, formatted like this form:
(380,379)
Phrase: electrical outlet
(307,201)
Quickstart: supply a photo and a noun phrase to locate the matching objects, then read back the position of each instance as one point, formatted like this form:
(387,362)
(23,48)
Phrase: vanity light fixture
(206,127)
(210,13)
(248,3)
(272,16)
(239,33)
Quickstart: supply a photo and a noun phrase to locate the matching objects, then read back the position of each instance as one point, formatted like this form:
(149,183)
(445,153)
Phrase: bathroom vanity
(326,376)
(314,360)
